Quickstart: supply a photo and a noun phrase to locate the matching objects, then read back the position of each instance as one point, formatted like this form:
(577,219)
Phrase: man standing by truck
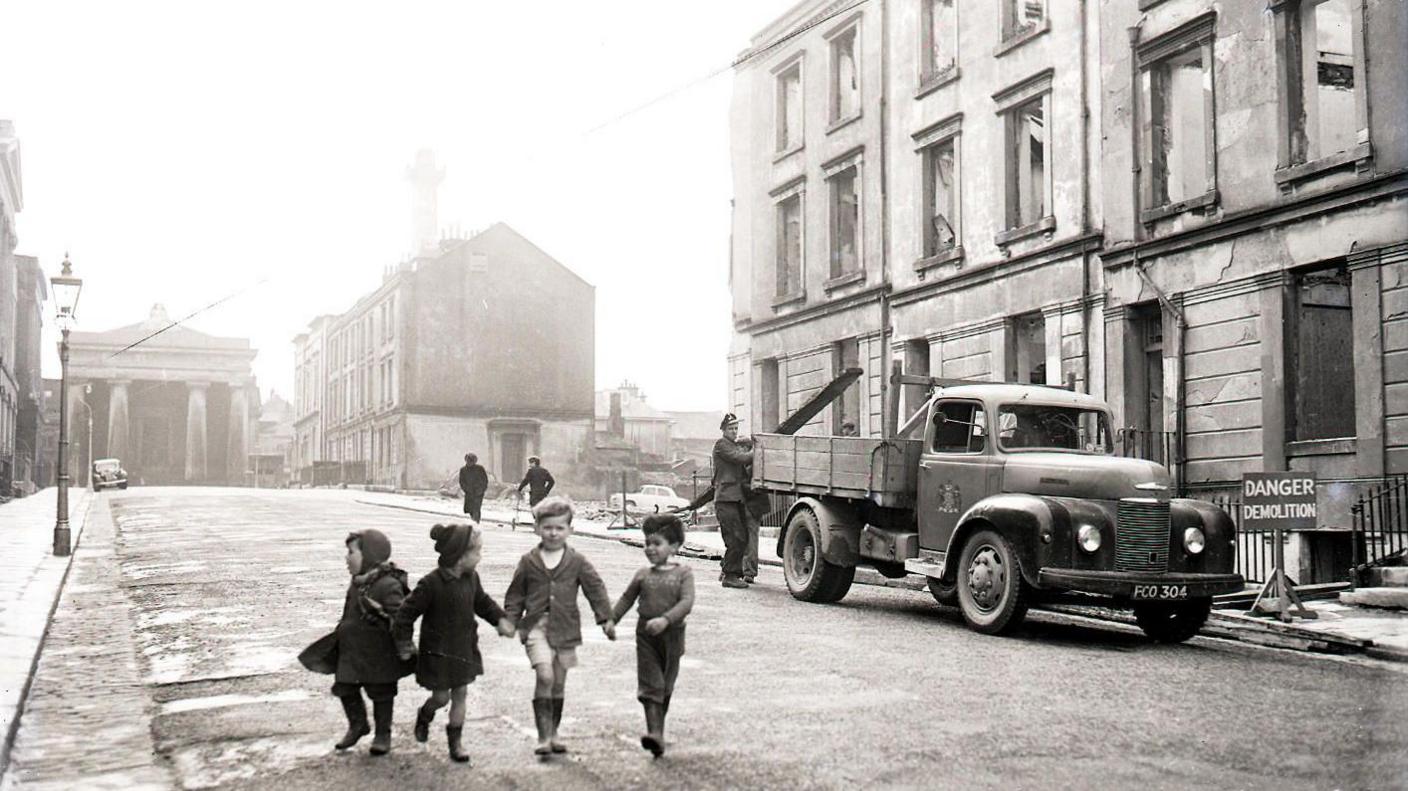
(731,458)
(538,480)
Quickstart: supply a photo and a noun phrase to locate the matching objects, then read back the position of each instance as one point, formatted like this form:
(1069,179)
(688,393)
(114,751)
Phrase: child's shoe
(381,715)
(356,711)
(654,738)
(452,735)
(424,716)
(557,746)
(542,714)
(730,581)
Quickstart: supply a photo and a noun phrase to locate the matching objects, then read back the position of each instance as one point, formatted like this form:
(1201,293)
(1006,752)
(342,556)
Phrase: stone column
(195,431)
(238,454)
(118,430)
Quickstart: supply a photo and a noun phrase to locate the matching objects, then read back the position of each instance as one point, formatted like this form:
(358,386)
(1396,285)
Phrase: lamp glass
(66,291)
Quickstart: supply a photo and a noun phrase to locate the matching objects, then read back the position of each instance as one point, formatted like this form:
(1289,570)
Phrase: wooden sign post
(1279,501)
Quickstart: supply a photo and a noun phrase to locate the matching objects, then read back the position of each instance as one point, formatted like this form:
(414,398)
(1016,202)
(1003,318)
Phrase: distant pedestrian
(848,429)
(542,604)
(474,482)
(732,457)
(538,480)
(446,600)
(366,653)
(666,593)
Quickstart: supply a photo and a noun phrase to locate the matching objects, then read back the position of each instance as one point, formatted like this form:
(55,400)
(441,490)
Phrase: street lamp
(66,290)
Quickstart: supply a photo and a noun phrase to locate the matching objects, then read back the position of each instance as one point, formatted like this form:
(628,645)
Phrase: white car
(650,499)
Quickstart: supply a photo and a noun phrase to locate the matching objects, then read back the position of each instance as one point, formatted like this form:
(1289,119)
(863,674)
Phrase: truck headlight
(1089,537)
(1193,540)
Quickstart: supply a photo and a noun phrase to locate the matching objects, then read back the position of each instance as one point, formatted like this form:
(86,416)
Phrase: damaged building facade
(1193,209)
(485,346)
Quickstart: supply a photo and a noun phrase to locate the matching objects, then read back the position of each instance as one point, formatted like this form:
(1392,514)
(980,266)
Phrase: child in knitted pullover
(666,593)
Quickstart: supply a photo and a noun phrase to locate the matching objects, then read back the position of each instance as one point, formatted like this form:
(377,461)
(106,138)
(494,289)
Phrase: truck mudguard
(1020,518)
(840,528)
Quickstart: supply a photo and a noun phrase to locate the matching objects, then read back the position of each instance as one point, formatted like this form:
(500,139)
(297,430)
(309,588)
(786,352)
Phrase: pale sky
(184,151)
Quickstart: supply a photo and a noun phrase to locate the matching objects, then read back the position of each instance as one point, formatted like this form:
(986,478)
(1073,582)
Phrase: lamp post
(66,290)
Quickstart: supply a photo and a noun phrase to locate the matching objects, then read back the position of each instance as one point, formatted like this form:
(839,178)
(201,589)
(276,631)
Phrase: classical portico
(176,408)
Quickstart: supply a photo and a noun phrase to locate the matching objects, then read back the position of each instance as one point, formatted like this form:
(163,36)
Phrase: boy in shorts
(542,604)
(665,590)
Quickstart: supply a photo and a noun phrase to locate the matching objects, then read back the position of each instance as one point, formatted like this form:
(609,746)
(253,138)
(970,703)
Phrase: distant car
(108,473)
(651,498)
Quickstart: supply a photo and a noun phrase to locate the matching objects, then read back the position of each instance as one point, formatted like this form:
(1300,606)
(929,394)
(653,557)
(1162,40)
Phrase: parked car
(651,498)
(108,473)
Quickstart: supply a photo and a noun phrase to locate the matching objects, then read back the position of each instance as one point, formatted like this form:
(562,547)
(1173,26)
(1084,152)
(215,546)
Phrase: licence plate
(1161,592)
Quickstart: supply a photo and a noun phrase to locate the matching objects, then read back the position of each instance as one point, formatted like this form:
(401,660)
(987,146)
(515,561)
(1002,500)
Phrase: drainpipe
(887,422)
(1084,198)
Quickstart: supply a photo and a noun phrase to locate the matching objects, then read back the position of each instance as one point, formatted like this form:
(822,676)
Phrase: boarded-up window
(789,246)
(1321,361)
(845,222)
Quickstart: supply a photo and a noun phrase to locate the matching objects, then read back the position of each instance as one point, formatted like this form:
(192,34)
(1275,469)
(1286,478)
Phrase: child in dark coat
(446,600)
(366,654)
(666,593)
(542,603)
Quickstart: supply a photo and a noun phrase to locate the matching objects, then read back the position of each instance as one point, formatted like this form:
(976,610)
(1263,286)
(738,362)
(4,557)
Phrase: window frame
(927,142)
(848,29)
(781,73)
(1291,345)
(851,161)
(795,292)
(930,76)
(1152,58)
(979,407)
(1293,163)
(1010,102)
(1012,36)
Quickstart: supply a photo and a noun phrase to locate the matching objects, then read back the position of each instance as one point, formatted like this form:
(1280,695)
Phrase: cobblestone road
(884,689)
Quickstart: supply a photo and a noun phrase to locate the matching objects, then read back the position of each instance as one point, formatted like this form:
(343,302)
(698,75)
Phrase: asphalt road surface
(884,689)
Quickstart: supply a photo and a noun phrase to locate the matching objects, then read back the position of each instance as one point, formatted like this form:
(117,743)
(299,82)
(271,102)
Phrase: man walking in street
(538,480)
(731,457)
(474,481)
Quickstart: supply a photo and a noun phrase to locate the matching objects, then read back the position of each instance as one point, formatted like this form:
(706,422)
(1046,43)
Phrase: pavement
(30,580)
(171,663)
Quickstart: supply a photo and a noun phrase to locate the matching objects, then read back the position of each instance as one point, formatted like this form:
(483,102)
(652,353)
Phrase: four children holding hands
(374,638)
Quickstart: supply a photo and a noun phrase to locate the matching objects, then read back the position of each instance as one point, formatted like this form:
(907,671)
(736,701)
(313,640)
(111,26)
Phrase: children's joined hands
(506,628)
(609,627)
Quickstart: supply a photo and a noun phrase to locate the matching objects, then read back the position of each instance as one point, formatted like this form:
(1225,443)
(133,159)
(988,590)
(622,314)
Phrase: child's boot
(557,746)
(381,717)
(654,739)
(356,711)
(424,716)
(542,714)
(452,735)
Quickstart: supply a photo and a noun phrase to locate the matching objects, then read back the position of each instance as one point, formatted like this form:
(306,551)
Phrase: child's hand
(610,629)
(405,654)
(657,625)
(506,628)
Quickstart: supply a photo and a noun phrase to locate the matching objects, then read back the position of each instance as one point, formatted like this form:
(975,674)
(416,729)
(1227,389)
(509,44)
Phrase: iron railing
(1160,447)
(1255,553)
(1380,521)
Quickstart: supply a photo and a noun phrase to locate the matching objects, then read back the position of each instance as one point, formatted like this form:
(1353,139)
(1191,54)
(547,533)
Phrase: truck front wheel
(810,577)
(990,589)
(1172,622)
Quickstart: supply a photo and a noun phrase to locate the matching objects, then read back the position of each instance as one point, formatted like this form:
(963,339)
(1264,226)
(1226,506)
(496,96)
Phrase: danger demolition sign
(1278,500)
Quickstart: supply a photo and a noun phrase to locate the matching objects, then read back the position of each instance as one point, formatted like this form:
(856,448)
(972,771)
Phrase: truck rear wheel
(991,593)
(943,593)
(1172,622)
(810,577)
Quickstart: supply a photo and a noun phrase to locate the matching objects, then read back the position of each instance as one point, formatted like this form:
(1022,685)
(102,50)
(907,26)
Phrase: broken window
(940,39)
(1176,101)
(845,221)
(1330,123)
(1022,16)
(845,411)
(769,394)
(789,108)
(1027,352)
(789,246)
(1028,174)
(1320,366)
(845,76)
(940,197)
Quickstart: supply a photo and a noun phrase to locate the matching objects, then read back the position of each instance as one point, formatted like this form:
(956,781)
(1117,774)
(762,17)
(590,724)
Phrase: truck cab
(1013,495)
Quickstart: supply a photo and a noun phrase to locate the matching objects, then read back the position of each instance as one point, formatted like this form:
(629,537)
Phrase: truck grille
(1141,541)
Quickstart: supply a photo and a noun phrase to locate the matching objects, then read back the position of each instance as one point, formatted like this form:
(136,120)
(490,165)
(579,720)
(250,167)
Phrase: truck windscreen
(1049,427)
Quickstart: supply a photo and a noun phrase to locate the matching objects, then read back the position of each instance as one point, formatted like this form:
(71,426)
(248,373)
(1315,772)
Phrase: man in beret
(731,459)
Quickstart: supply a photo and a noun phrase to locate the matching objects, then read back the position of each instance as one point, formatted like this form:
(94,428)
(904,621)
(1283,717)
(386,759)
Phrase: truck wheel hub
(986,577)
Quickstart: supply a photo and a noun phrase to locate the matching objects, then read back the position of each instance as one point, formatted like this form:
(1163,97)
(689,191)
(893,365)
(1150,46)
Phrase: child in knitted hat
(446,600)
(366,655)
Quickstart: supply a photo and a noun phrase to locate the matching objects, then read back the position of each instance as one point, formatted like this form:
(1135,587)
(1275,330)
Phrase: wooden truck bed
(884,472)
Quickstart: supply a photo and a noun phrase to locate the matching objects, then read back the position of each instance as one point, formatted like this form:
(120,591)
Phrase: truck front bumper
(1122,583)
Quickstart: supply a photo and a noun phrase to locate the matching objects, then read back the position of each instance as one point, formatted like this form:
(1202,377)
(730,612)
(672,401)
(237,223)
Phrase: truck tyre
(1172,622)
(810,577)
(943,592)
(991,593)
